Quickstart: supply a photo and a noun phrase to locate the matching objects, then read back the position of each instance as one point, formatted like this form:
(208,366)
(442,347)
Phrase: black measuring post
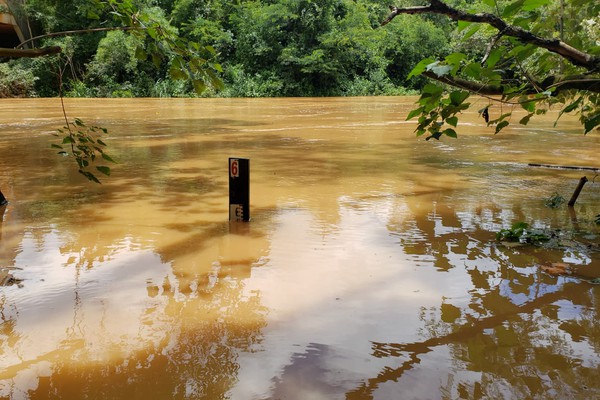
(239,189)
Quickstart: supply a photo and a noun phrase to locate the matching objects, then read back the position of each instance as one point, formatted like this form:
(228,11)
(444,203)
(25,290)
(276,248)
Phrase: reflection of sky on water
(507,289)
(324,315)
(330,295)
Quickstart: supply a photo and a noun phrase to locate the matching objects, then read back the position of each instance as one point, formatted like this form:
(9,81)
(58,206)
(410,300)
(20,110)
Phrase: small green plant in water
(520,232)
(514,233)
(86,144)
(555,201)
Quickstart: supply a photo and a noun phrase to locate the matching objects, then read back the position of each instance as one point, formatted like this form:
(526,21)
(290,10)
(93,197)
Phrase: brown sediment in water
(370,267)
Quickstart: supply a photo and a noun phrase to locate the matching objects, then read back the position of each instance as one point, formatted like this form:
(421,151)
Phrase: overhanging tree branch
(29,53)
(19,52)
(575,56)
(80,31)
(471,86)
(575,82)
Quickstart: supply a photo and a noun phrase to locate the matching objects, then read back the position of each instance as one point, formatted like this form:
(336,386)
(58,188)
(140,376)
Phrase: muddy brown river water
(369,270)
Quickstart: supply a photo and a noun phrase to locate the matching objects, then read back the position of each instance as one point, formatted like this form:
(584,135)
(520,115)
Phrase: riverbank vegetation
(266,48)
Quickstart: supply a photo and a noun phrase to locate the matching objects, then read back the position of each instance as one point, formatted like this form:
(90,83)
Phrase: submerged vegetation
(554,201)
(522,232)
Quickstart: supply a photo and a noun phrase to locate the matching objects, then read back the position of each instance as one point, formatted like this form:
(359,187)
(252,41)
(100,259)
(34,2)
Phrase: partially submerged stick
(582,182)
(564,167)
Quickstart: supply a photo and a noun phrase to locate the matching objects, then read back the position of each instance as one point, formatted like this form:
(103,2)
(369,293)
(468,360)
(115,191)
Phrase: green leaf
(522,52)
(525,119)
(572,106)
(56,146)
(215,81)
(531,5)
(152,33)
(450,132)
(501,126)
(68,140)
(472,30)
(89,176)
(435,135)
(491,75)
(591,123)
(512,8)
(105,170)
(452,121)
(199,86)
(473,70)
(527,104)
(455,60)
(156,59)
(141,54)
(494,57)
(432,89)
(569,108)
(108,158)
(414,113)
(458,96)
(217,67)
(176,71)
(91,14)
(462,25)
(420,67)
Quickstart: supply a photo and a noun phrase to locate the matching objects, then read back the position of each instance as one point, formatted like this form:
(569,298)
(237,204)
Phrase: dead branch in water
(564,167)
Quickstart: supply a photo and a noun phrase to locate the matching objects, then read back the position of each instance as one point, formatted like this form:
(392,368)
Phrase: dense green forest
(266,48)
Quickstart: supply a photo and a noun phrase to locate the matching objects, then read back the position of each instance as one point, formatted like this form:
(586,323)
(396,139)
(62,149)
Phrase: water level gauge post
(239,189)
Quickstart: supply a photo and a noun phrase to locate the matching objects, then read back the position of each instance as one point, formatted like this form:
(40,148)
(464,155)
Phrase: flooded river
(369,270)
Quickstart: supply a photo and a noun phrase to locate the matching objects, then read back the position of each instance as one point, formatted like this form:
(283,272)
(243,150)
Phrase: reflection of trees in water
(196,358)
(524,333)
(190,327)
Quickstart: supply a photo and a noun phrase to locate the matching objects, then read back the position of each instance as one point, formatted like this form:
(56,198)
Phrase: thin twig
(490,46)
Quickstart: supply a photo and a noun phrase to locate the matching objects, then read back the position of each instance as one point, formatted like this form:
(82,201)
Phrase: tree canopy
(526,62)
